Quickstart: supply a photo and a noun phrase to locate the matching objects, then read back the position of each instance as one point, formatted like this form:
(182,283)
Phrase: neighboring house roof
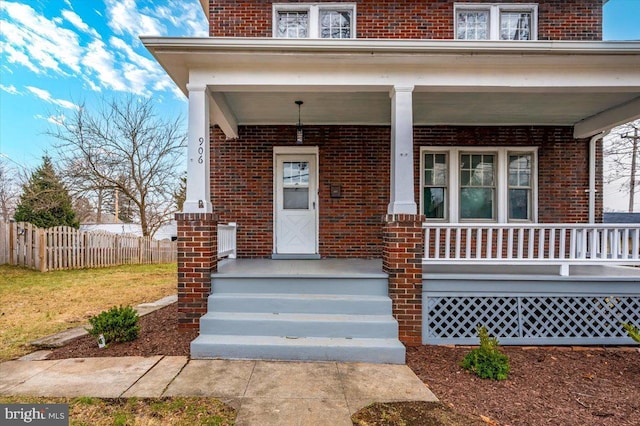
(619,217)
(168,231)
(114,228)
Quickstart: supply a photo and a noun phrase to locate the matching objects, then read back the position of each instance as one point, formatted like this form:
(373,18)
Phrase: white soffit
(456,82)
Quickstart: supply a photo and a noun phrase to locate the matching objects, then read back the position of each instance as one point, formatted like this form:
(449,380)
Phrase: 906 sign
(200,150)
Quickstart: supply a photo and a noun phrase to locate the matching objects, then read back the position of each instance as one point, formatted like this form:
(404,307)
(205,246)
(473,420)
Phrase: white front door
(296,204)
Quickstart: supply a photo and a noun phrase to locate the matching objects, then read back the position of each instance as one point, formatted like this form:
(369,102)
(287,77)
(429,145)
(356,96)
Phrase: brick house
(459,142)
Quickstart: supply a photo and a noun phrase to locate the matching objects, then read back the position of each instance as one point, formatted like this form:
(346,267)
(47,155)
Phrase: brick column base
(403,248)
(197,258)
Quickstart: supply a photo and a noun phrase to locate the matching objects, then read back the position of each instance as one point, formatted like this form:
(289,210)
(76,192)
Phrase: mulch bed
(159,335)
(557,386)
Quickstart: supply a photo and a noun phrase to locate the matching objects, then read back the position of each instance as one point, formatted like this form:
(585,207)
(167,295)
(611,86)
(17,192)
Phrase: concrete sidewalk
(263,392)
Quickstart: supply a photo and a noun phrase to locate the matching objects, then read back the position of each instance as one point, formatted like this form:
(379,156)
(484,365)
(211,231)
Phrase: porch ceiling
(592,86)
(430,108)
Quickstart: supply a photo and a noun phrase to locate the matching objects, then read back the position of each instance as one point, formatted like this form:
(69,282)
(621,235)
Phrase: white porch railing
(556,244)
(227,240)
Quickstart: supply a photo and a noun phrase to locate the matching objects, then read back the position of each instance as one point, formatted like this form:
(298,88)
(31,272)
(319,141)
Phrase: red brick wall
(354,158)
(357,159)
(197,258)
(402,252)
(557,19)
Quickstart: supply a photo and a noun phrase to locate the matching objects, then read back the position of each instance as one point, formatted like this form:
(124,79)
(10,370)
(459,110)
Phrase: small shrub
(118,324)
(487,361)
(632,331)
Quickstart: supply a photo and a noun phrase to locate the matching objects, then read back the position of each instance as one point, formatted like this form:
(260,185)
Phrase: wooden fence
(63,247)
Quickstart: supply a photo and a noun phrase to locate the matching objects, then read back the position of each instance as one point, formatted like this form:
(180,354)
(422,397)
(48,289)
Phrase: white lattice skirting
(569,314)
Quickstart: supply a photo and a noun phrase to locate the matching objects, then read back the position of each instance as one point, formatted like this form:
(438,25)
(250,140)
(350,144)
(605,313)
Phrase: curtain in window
(293,24)
(515,26)
(473,25)
(335,24)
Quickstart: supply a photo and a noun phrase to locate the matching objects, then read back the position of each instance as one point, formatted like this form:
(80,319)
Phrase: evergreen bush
(118,324)
(487,361)
(633,332)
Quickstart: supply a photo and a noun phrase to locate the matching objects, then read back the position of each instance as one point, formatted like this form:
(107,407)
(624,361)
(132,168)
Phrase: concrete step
(301,284)
(380,351)
(300,303)
(299,325)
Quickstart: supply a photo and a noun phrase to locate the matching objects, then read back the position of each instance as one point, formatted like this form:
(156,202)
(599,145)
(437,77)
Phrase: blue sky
(56,54)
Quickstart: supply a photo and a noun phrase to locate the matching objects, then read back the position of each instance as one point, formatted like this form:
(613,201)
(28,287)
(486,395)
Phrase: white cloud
(10,89)
(126,18)
(46,96)
(181,15)
(142,74)
(102,63)
(58,120)
(46,45)
(67,45)
(15,56)
(77,22)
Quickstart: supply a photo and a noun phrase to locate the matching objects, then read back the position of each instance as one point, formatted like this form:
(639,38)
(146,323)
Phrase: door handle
(314,205)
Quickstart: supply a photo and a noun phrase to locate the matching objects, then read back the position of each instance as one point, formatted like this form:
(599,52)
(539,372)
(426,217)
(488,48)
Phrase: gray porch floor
(533,272)
(372,268)
(363,268)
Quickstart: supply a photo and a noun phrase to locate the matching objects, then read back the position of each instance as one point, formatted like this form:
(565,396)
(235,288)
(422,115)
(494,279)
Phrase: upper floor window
(323,20)
(482,21)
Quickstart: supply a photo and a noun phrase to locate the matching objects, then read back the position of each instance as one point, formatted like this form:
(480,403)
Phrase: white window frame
(495,10)
(313,10)
(452,209)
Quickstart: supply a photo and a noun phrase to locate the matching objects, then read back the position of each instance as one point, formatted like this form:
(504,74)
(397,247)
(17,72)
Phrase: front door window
(295,185)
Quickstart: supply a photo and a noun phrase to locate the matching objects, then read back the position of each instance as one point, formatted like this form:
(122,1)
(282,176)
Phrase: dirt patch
(411,413)
(545,386)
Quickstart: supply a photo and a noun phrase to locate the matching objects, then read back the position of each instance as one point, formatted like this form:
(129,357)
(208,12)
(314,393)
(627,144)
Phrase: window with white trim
(495,21)
(468,184)
(435,182)
(314,20)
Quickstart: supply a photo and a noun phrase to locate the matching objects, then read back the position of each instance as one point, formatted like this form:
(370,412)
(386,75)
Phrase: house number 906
(200,150)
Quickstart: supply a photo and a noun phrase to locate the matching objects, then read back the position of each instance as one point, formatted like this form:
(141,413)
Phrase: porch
(373,112)
(533,284)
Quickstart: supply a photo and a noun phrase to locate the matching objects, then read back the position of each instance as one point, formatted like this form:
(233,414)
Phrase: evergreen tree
(45,201)
(180,194)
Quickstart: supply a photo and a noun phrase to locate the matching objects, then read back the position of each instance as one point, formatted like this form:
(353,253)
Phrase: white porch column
(402,195)
(198,191)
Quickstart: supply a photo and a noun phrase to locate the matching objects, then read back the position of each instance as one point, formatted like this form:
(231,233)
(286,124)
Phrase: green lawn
(138,411)
(35,304)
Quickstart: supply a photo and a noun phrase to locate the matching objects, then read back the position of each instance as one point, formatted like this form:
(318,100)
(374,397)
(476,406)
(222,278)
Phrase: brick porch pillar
(197,258)
(403,248)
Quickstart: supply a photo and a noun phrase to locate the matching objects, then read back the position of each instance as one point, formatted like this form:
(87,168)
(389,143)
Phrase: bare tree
(621,151)
(124,147)
(9,190)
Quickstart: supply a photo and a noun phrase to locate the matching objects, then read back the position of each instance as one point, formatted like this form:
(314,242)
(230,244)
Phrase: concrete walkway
(263,392)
